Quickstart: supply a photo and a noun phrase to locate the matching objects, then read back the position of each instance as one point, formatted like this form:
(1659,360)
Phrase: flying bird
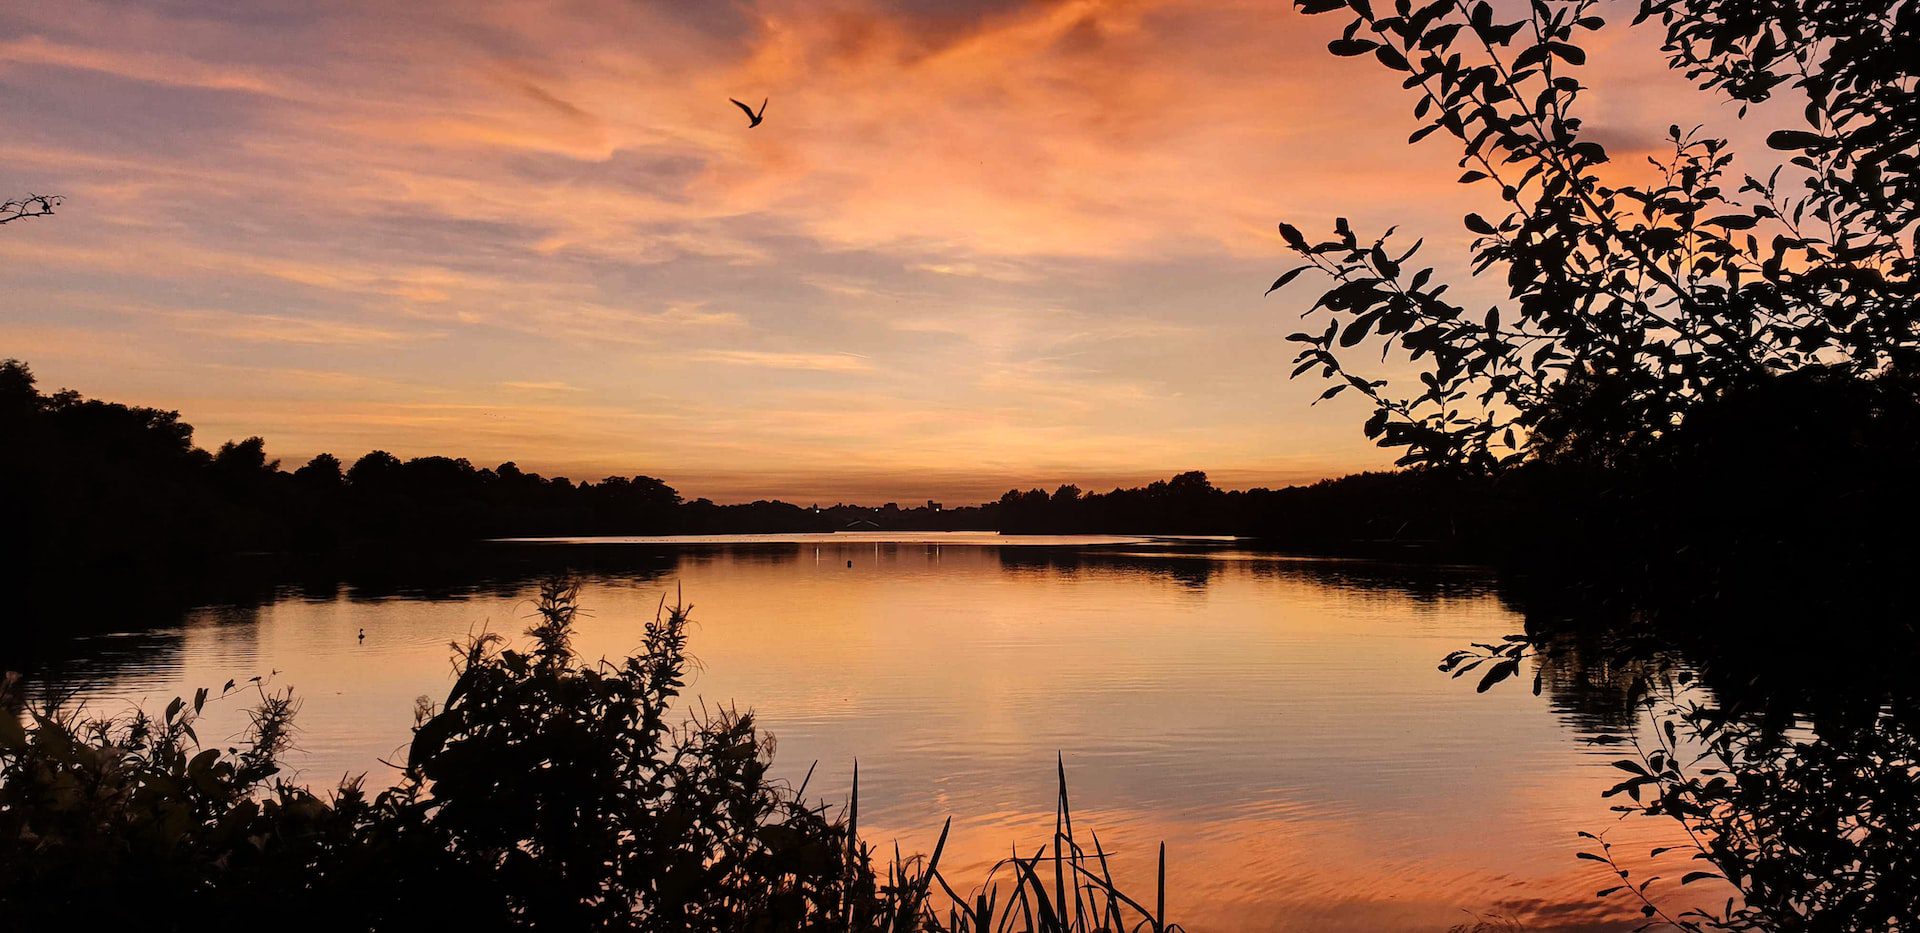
(755,118)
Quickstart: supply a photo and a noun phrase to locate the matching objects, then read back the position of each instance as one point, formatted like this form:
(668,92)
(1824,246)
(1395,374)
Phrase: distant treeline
(93,484)
(1807,473)
(1397,510)
(98,483)
(103,470)
(1800,482)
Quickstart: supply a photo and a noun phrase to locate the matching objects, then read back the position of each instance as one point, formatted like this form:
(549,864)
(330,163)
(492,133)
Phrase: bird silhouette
(755,118)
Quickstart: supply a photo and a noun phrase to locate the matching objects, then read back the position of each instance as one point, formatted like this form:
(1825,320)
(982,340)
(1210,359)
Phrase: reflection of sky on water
(1278,721)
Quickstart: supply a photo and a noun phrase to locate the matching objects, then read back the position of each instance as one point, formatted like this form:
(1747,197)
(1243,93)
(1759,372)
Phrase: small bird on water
(363,634)
(754,118)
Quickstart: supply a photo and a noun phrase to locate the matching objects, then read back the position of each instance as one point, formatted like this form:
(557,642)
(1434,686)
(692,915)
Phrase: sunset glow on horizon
(973,246)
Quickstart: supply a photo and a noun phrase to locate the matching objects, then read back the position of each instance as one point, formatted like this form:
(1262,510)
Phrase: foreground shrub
(543,793)
(1790,807)
(1812,827)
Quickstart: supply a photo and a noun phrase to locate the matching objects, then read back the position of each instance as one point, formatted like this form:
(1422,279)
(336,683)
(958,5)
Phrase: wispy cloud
(273,328)
(991,270)
(135,65)
(542,387)
(766,359)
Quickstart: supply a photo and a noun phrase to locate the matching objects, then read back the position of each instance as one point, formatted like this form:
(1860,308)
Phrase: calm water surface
(1277,721)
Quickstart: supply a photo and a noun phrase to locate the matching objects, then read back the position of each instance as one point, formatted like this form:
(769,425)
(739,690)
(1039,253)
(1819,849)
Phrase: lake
(1276,720)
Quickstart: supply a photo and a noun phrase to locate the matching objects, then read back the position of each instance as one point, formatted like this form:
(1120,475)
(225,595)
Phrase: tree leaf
(1288,276)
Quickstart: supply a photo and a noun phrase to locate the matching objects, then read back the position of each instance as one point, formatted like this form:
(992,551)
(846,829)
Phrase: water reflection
(1276,720)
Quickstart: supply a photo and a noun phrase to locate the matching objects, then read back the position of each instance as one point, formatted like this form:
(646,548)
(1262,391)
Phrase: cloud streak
(813,362)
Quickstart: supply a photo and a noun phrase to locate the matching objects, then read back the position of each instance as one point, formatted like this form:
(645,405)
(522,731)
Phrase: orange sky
(973,245)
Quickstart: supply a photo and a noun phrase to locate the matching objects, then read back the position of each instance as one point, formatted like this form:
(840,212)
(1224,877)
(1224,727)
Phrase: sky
(973,246)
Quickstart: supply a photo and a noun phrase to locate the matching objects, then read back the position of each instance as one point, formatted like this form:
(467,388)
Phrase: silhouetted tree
(1816,830)
(1630,305)
(18,396)
(322,472)
(33,205)
(374,469)
(243,458)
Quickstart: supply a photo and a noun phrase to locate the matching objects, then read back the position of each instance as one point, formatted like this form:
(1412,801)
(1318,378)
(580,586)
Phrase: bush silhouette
(543,793)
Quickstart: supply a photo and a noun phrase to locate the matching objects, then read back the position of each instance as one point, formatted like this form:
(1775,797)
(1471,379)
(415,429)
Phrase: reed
(1063,887)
